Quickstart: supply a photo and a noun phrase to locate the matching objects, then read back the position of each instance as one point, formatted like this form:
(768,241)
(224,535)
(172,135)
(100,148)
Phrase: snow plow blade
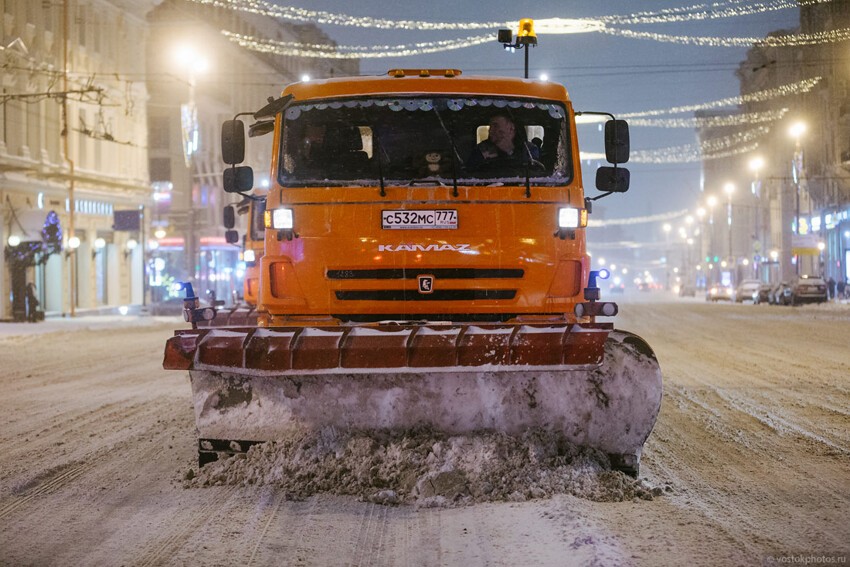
(596,386)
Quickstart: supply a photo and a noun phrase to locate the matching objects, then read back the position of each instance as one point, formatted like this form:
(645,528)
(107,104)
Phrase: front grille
(426,317)
(439,273)
(437,295)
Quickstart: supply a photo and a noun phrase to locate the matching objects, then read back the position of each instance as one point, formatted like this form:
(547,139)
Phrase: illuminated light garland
(792,40)
(542,26)
(712,121)
(733,140)
(729,9)
(327,51)
(301,15)
(799,87)
(593,223)
(715,148)
(689,153)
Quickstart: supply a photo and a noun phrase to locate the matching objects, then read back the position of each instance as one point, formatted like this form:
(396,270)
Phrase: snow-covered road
(753,442)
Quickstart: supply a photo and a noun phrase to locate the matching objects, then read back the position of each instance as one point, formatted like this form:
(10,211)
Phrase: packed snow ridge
(425,468)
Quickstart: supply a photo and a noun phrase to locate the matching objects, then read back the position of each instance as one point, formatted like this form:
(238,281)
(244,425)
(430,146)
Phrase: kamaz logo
(422,247)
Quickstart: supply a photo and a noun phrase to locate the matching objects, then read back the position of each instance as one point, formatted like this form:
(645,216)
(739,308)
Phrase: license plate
(419,219)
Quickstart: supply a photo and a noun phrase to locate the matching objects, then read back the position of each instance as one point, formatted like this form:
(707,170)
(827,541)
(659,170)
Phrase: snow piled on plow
(425,469)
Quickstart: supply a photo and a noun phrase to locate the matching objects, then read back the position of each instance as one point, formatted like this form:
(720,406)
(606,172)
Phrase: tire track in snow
(271,513)
(57,477)
(47,482)
(187,527)
(776,422)
(370,534)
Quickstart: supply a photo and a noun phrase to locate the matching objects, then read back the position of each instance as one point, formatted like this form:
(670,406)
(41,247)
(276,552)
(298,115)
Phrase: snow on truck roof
(426,81)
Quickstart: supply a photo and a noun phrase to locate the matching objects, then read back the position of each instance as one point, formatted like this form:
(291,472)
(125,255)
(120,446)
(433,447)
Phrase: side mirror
(233,142)
(229,217)
(617,141)
(238,179)
(231,236)
(612,179)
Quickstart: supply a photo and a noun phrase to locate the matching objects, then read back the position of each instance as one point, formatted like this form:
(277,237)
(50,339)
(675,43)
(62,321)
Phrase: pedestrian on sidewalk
(32,303)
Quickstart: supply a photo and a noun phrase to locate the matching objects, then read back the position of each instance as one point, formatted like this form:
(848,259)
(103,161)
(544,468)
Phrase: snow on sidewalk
(86,323)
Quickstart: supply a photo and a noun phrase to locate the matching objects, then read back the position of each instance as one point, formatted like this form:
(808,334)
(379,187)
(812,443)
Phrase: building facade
(791,205)
(73,151)
(110,171)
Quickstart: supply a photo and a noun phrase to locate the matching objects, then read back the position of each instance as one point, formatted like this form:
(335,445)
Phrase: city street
(751,450)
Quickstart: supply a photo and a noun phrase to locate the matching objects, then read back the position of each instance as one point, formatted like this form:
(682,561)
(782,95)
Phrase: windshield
(478,141)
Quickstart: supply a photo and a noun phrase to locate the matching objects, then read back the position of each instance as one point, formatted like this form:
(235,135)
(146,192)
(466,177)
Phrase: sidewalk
(58,324)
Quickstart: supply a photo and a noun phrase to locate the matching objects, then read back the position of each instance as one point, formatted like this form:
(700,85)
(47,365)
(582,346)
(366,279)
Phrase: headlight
(282,219)
(572,218)
(249,256)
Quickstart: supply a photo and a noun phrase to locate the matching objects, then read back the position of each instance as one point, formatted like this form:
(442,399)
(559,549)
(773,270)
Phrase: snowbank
(425,469)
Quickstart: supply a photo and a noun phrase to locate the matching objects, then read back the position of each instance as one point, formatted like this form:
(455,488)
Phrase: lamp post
(130,246)
(729,188)
(774,261)
(701,217)
(756,164)
(711,201)
(192,64)
(689,224)
(667,228)
(71,254)
(796,131)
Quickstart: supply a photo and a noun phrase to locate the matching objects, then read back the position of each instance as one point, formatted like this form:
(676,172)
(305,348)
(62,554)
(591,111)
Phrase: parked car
(618,287)
(808,289)
(746,290)
(780,294)
(719,292)
(762,295)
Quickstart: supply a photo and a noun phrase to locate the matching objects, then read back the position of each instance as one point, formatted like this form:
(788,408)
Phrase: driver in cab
(501,146)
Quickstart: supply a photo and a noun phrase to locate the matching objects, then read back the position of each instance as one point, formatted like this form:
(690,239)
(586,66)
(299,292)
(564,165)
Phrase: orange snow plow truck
(425,265)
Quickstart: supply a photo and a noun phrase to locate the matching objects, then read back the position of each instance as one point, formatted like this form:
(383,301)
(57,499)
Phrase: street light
(729,188)
(756,164)
(73,244)
(99,244)
(131,245)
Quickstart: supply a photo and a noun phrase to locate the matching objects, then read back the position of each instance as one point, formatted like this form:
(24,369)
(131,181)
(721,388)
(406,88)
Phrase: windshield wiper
(380,151)
(455,156)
